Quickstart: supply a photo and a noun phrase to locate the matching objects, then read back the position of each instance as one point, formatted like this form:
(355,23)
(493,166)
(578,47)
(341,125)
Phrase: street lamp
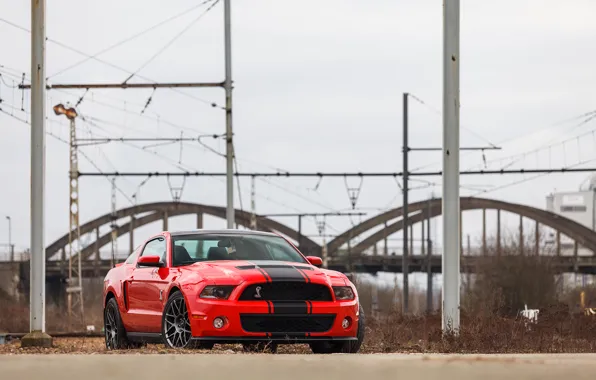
(10,248)
(70,113)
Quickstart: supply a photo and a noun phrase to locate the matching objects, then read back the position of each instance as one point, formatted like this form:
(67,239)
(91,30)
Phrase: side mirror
(314,260)
(150,261)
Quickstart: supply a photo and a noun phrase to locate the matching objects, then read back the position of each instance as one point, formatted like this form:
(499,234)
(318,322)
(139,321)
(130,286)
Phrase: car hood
(256,271)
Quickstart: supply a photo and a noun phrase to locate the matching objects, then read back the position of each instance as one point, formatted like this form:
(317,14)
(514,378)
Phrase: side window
(156,247)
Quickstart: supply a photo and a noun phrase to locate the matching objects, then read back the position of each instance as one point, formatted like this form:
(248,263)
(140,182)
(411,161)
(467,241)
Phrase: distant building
(579,206)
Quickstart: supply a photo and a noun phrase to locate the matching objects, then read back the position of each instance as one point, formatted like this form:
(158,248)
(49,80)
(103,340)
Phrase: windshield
(189,249)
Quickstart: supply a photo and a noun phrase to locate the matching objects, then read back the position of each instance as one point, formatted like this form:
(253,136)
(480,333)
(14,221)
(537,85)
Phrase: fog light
(346,322)
(218,323)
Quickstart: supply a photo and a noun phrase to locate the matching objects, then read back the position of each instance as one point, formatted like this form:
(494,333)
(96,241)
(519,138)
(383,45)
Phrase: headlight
(220,292)
(343,293)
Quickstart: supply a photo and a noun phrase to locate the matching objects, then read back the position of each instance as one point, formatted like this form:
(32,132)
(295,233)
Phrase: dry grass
(489,320)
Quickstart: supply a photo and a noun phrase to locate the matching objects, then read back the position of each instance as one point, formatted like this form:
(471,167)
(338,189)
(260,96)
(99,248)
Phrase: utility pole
(226,84)
(405,270)
(37,326)
(406,174)
(75,281)
(228,88)
(450,204)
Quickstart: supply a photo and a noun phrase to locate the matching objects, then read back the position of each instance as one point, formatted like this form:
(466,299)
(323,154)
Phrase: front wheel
(349,347)
(175,325)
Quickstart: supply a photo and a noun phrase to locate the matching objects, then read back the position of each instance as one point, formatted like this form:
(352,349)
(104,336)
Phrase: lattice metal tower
(75,281)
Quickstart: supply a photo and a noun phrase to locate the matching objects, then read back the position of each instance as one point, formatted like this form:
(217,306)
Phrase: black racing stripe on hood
(255,267)
(290,307)
(303,272)
(283,273)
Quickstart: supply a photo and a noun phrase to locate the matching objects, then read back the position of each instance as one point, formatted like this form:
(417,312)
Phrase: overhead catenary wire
(68,143)
(133,37)
(66,46)
(170,42)
(337,174)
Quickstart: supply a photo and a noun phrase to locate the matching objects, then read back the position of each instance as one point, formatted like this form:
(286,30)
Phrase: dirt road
(290,367)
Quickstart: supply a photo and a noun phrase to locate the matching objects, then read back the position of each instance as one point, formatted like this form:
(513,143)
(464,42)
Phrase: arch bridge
(391,221)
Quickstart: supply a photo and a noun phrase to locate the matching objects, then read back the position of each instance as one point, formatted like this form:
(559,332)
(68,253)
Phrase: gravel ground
(97,346)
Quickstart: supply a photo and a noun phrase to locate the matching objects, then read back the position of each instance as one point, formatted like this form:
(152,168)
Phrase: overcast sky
(318,87)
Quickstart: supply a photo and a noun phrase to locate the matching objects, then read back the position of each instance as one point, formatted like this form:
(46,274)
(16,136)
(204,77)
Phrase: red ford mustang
(199,288)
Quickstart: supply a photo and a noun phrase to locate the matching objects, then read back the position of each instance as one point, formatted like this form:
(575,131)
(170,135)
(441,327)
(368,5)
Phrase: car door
(145,289)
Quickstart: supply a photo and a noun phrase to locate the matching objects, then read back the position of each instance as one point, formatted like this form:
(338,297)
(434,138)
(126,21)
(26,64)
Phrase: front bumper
(288,322)
(277,339)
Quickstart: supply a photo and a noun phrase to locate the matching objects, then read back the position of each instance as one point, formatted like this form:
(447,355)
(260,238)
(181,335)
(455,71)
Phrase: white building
(579,206)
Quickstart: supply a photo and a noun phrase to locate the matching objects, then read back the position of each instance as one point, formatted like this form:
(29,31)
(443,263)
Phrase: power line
(172,18)
(125,85)
(65,46)
(336,174)
(172,40)
(66,142)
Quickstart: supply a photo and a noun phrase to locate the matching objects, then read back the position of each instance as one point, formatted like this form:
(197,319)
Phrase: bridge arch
(422,210)
(155,211)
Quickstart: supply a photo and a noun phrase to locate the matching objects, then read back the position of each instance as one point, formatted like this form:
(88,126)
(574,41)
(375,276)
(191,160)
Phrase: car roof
(222,232)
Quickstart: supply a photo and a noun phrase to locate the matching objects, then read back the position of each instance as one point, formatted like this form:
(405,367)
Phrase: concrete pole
(450,204)
(405,287)
(228,88)
(37,326)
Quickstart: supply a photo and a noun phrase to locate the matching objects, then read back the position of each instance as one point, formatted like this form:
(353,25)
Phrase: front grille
(286,291)
(286,324)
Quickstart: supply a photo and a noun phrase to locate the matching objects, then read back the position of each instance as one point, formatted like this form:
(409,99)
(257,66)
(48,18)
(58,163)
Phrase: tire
(175,324)
(115,333)
(260,347)
(349,347)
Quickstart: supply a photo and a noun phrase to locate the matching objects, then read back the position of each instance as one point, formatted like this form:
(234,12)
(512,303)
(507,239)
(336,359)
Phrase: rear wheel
(349,347)
(115,334)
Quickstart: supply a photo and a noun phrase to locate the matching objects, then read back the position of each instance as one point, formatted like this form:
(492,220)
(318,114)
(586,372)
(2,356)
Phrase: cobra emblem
(258,292)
